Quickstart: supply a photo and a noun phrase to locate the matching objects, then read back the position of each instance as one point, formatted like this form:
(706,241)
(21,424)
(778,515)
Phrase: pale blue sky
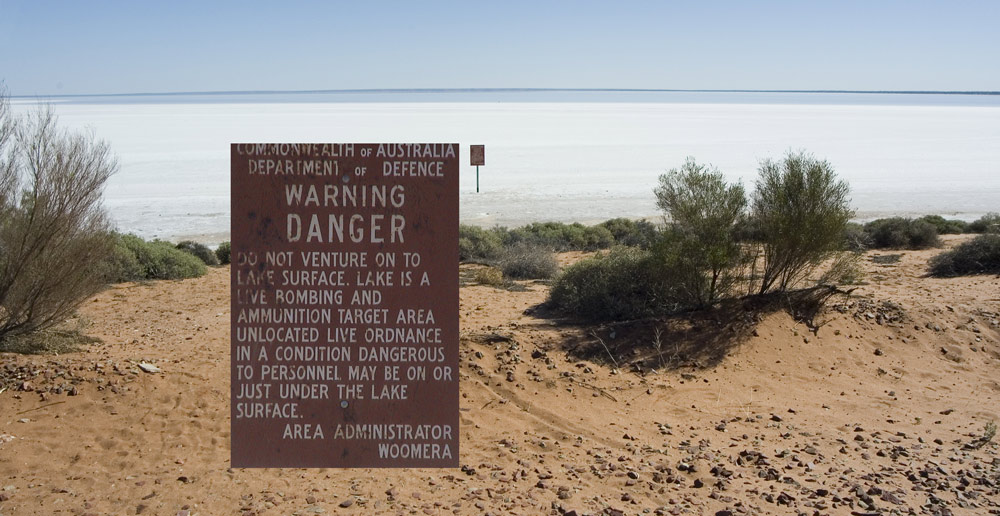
(80,47)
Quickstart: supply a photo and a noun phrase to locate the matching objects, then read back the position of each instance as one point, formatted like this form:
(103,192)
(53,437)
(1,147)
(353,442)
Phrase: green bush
(476,244)
(801,211)
(135,259)
(527,261)
(561,237)
(623,284)
(632,233)
(945,226)
(989,223)
(224,252)
(699,247)
(900,233)
(122,265)
(200,251)
(980,255)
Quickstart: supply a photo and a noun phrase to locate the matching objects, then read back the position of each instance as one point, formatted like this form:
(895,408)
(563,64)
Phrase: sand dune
(873,413)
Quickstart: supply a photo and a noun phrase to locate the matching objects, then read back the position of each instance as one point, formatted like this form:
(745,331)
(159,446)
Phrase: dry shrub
(54,234)
(489,276)
(528,261)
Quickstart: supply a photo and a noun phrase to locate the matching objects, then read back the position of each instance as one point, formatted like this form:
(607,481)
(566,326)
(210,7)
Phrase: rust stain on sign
(344,305)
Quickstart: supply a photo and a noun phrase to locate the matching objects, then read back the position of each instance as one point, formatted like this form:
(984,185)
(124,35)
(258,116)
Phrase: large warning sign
(344,305)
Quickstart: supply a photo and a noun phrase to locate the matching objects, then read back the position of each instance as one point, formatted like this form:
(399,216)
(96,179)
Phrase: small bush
(801,210)
(900,233)
(476,244)
(856,239)
(561,237)
(978,256)
(224,252)
(200,251)
(632,233)
(699,247)
(946,226)
(489,276)
(621,285)
(136,259)
(528,261)
(989,223)
(123,265)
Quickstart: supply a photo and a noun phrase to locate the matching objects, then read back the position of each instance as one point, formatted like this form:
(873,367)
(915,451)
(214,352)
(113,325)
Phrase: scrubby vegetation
(901,233)
(977,256)
(527,252)
(989,223)
(561,237)
(713,243)
(945,226)
(699,247)
(632,233)
(479,245)
(623,284)
(801,211)
(200,251)
(135,259)
(524,260)
(53,231)
(224,252)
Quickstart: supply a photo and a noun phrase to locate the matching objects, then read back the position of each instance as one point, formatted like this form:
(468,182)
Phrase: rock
(149,368)
(698,484)
(347,503)
(310,499)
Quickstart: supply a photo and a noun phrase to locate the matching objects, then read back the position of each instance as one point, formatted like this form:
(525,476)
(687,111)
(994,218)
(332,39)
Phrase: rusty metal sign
(477,155)
(344,305)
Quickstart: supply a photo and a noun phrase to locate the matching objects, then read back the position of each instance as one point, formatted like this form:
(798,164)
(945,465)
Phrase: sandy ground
(738,412)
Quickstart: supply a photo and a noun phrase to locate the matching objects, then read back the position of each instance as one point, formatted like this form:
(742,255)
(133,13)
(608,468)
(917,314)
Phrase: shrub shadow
(696,339)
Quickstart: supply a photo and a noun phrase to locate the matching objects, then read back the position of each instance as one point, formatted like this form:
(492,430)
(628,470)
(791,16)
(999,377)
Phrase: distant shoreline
(390,91)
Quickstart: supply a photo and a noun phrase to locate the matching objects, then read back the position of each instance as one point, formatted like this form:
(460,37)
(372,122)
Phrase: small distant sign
(477,155)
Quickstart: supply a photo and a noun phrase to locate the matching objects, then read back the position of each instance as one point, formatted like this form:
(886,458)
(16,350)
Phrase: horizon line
(503,90)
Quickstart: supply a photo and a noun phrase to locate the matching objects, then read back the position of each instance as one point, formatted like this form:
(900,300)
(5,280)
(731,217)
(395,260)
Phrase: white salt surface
(553,161)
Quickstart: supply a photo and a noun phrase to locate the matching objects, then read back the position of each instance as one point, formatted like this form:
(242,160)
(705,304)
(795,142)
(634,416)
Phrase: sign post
(477,157)
(344,305)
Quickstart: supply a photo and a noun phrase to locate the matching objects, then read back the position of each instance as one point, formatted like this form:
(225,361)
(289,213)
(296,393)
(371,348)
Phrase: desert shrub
(527,261)
(53,231)
(489,276)
(561,237)
(224,252)
(699,247)
(122,265)
(977,256)
(945,226)
(620,285)
(901,233)
(856,239)
(989,223)
(200,251)
(476,244)
(632,233)
(161,260)
(800,209)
